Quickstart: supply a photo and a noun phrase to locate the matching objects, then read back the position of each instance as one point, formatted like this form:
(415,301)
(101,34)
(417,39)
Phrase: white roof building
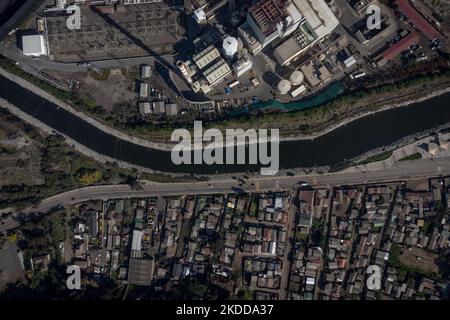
(143,90)
(34,45)
(146,72)
(319,16)
(144,108)
(319,22)
(200,15)
(136,243)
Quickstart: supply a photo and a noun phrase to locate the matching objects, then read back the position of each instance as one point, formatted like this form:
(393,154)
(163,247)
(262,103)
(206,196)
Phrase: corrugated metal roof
(217,72)
(400,46)
(33,45)
(206,57)
(413,15)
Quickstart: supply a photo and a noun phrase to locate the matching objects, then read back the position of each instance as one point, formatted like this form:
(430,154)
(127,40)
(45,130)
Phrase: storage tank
(230,46)
(184,71)
(296,78)
(284,86)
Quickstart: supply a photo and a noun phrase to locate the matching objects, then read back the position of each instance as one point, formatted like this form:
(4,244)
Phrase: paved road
(43,63)
(399,172)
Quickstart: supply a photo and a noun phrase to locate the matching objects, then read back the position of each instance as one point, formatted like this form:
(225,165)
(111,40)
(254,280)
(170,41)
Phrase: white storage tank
(297,78)
(230,46)
(284,86)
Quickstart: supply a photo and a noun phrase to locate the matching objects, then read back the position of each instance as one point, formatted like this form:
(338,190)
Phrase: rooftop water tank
(284,86)
(296,78)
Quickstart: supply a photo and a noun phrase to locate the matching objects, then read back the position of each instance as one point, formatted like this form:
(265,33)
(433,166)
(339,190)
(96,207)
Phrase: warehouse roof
(413,15)
(400,46)
(141,271)
(34,45)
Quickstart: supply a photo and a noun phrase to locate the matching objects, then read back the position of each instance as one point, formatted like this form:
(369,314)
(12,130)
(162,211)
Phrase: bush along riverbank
(307,123)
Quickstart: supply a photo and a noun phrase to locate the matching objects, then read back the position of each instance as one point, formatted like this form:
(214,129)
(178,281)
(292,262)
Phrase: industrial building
(143,90)
(414,16)
(144,108)
(141,271)
(207,67)
(136,243)
(268,20)
(34,45)
(402,45)
(207,9)
(317,22)
(146,72)
(243,65)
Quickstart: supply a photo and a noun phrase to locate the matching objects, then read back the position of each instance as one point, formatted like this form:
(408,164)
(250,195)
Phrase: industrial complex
(215,55)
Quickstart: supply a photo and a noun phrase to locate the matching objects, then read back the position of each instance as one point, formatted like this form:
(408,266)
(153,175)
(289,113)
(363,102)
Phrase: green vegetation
(88,176)
(306,121)
(163,178)
(11,67)
(101,75)
(86,105)
(245,295)
(376,158)
(63,170)
(415,156)
(254,206)
(301,237)
(395,262)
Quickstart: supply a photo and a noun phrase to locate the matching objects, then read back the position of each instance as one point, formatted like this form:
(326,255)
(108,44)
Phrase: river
(346,142)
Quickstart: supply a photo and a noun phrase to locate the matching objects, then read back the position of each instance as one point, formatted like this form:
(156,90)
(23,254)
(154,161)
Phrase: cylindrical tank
(296,78)
(284,86)
(230,46)
(184,71)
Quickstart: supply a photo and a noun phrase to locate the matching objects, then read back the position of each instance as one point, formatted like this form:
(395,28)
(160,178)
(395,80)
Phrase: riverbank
(328,152)
(112,131)
(366,114)
(420,97)
(78,146)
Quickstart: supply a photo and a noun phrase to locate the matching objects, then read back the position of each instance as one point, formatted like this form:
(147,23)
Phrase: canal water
(333,148)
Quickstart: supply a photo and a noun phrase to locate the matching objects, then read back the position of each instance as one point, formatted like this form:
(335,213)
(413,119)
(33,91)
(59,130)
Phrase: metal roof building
(34,45)
(136,243)
(414,16)
(400,46)
(140,271)
(217,72)
(206,57)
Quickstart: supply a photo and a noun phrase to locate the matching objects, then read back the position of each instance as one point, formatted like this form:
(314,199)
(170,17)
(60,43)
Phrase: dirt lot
(118,89)
(10,267)
(108,88)
(426,263)
(418,185)
(19,157)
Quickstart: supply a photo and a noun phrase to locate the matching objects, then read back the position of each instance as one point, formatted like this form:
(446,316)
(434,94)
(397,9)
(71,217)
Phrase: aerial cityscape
(225,150)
